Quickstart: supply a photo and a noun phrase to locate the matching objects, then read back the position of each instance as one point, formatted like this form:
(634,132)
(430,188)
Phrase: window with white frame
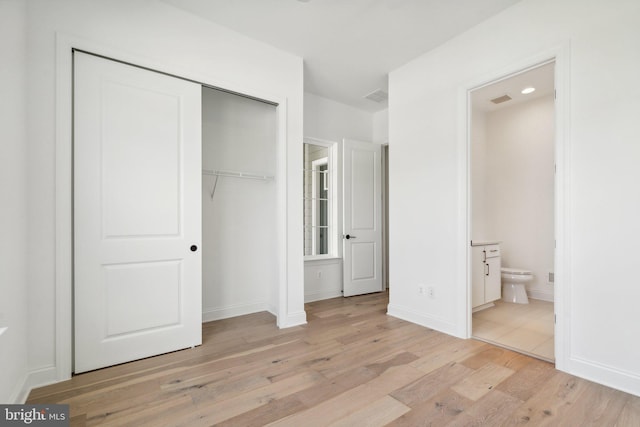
(319,204)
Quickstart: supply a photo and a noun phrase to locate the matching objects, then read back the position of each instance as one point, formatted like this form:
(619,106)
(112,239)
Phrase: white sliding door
(362,218)
(137,213)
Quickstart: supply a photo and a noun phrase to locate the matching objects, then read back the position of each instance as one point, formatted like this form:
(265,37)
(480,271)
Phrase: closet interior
(239,229)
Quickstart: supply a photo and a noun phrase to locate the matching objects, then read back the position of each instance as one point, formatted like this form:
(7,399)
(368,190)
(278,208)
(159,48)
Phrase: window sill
(316,258)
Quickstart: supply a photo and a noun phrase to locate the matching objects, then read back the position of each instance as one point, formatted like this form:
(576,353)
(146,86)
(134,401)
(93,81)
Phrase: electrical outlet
(431,292)
(319,274)
(421,289)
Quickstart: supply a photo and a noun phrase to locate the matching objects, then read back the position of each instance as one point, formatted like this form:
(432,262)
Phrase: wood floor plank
(630,414)
(431,384)
(599,406)
(549,407)
(493,409)
(439,409)
(349,402)
(453,350)
(377,413)
(527,380)
(482,381)
(499,356)
(351,364)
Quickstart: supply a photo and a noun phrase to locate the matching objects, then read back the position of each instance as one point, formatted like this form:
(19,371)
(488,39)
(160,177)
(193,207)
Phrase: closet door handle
(348,236)
(194,248)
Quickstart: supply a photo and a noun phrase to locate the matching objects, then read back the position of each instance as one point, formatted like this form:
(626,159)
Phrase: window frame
(332,197)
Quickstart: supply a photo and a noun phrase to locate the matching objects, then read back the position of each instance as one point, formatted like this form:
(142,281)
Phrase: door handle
(348,236)
(487,273)
(193,248)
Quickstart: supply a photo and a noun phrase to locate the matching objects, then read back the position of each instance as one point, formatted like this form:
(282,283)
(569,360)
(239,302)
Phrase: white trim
(540,294)
(432,322)
(626,381)
(30,380)
(63,185)
(319,296)
(20,391)
(483,307)
(295,319)
(559,54)
(209,314)
(314,258)
(336,197)
(324,161)
(322,260)
(384,169)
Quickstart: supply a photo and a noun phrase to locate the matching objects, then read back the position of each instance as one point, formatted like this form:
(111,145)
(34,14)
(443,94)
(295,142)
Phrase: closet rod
(245,175)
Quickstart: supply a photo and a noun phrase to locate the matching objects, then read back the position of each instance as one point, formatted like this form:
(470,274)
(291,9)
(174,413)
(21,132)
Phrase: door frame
(287,253)
(562,203)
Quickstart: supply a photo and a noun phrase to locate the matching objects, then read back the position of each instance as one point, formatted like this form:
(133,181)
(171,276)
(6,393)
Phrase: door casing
(560,55)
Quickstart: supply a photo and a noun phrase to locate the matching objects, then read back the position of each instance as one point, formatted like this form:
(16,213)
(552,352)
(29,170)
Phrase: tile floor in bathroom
(527,328)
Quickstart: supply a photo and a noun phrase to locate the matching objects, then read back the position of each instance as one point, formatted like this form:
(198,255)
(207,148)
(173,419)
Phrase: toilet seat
(515,271)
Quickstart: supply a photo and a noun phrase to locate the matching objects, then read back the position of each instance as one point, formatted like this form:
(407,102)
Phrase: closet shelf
(231,174)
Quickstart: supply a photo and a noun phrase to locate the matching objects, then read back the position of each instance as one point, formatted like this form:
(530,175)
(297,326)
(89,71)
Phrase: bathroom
(512,211)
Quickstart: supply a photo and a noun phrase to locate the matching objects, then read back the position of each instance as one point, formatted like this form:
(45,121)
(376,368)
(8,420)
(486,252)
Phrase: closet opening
(239,205)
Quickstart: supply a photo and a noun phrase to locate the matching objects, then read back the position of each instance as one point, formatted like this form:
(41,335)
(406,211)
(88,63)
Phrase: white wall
(478,166)
(519,194)
(13,207)
(151,32)
(600,314)
(239,255)
(333,121)
(381,126)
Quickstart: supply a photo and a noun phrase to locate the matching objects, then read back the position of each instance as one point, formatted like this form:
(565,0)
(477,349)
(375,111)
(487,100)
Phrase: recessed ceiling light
(528,90)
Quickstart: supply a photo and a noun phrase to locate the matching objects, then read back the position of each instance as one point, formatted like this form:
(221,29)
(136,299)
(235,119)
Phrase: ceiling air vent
(378,95)
(501,99)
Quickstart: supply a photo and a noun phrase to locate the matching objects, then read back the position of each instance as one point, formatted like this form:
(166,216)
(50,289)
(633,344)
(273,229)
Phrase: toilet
(513,284)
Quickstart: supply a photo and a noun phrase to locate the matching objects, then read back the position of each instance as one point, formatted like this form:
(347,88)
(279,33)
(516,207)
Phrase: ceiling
(348,46)
(541,78)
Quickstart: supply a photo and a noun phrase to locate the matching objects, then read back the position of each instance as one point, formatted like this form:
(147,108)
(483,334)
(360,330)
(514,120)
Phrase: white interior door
(137,213)
(362,205)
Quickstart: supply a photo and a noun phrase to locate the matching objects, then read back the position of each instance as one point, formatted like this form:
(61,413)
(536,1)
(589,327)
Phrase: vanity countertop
(485,242)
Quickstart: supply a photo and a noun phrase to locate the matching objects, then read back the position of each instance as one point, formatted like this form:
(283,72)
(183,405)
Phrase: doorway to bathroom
(512,208)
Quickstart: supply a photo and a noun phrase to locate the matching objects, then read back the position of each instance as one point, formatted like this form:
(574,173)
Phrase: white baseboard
(421,319)
(605,375)
(20,391)
(31,380)
(293,319)
(483,307)
(210,314)
(540,294)
(319,296)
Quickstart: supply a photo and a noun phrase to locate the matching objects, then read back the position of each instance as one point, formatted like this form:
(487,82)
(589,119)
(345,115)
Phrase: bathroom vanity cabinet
(485,276)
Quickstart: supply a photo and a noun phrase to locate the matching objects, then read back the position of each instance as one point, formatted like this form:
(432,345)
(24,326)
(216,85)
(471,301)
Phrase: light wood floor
(524,327)
(351,365)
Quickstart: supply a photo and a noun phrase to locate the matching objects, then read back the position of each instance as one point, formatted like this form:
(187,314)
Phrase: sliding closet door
(137,213)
